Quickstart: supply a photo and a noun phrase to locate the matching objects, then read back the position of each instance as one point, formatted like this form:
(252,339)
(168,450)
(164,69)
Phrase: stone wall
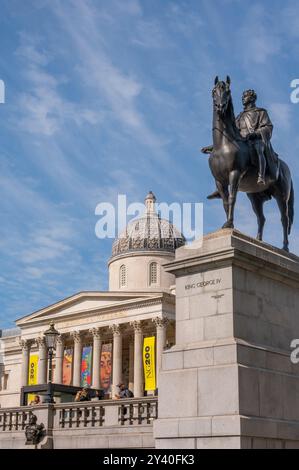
(229,381)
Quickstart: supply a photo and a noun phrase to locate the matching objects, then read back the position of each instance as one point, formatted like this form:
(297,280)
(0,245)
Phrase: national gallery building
(102,333)
(200,333)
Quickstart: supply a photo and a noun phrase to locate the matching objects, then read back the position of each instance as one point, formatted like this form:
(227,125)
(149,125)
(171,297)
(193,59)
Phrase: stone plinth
(229,381)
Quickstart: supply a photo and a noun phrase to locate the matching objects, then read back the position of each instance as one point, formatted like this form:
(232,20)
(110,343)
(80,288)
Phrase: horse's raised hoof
(228,224)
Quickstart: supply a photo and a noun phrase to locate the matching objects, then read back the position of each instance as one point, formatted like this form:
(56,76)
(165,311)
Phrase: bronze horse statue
(234,165)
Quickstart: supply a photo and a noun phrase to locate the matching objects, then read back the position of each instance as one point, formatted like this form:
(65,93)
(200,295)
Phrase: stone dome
(148,233)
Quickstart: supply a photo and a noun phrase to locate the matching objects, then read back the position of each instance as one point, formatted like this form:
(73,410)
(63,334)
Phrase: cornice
(85,295)
(239,250)
(135,304)
(146,252)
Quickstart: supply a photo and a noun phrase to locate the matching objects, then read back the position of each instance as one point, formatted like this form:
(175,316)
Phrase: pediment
(83,302)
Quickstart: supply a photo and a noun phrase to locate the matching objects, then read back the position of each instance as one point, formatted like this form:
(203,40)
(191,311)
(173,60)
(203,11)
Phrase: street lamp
(51,336)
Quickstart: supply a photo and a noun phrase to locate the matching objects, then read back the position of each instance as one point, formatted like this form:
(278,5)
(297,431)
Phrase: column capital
(77,336)
(137,326)
(116,329)
(161,322)
(60,340)
(25,343)
(40,341)
(96,333)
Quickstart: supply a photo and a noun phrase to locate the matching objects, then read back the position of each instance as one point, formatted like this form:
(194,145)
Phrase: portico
(122,335)
(120,320)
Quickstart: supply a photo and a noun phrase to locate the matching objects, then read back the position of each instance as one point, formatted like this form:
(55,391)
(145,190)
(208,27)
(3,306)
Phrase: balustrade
(14,419)
(128,412)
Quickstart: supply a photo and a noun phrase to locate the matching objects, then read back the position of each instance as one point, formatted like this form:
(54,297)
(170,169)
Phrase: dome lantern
(149,202)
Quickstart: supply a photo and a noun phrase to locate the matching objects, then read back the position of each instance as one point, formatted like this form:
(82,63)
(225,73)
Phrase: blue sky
(114,97)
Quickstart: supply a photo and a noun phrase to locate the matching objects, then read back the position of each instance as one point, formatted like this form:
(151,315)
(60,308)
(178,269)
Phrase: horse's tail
(291,207)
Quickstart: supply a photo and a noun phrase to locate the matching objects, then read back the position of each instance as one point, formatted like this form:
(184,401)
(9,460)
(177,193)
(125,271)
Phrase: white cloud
(149,34)
(289,19)
(43,108)
(261,45)
(183,19)
(258,37)
(120,89)
(28,49)
(281,114)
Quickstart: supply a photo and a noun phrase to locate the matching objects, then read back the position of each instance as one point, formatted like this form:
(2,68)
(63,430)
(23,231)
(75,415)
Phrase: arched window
(122,276)
(153,273)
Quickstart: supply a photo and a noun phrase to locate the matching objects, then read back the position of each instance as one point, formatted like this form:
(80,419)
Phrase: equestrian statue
(242,159)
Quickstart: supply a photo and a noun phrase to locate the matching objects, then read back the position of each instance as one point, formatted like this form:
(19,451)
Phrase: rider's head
(249,96)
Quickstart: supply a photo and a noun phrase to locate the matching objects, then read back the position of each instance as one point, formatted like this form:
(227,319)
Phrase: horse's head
(221,96)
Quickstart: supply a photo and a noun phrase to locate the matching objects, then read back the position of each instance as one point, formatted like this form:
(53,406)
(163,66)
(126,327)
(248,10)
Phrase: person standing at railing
(82,395)
(35,401)
(97,396)
(124,392)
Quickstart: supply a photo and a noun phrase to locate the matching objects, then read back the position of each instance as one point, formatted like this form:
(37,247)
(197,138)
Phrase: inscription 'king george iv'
(199,285)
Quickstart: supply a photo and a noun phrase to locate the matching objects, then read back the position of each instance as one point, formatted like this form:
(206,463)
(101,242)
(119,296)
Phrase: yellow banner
(32,376)
(149,363)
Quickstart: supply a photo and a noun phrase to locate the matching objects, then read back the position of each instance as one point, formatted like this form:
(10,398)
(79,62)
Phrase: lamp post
(51,336)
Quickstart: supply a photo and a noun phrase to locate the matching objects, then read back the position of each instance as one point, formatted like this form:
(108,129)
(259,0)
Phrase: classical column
(77,337)
(1,377)
(96,357)
(117,358)
(138,365)
(59,360)
(131,363)
(42,361)
(161,324)
(25,345)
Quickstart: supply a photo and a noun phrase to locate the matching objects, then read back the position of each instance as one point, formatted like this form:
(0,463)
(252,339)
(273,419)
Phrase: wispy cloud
(281,114)
(115,97)
(44,110)
(119,89)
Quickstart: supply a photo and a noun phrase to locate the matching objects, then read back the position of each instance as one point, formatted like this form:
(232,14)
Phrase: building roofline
(133,297)
(141,252)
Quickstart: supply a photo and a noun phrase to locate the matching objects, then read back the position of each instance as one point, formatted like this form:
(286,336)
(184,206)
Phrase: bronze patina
(242,159)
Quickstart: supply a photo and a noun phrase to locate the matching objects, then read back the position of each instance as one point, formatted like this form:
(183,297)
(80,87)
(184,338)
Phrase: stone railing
(138,411)
(127,412)
(68,425)
(14,419)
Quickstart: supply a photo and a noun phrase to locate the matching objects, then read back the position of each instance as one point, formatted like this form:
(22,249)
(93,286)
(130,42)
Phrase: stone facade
(229,381)
(93,319)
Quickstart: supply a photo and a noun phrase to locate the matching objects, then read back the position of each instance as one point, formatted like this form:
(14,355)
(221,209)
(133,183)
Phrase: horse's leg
(234,180)
(223,191)
(282,203)
(257,203)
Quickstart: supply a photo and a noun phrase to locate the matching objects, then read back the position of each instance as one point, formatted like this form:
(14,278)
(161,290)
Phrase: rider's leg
(260,149)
